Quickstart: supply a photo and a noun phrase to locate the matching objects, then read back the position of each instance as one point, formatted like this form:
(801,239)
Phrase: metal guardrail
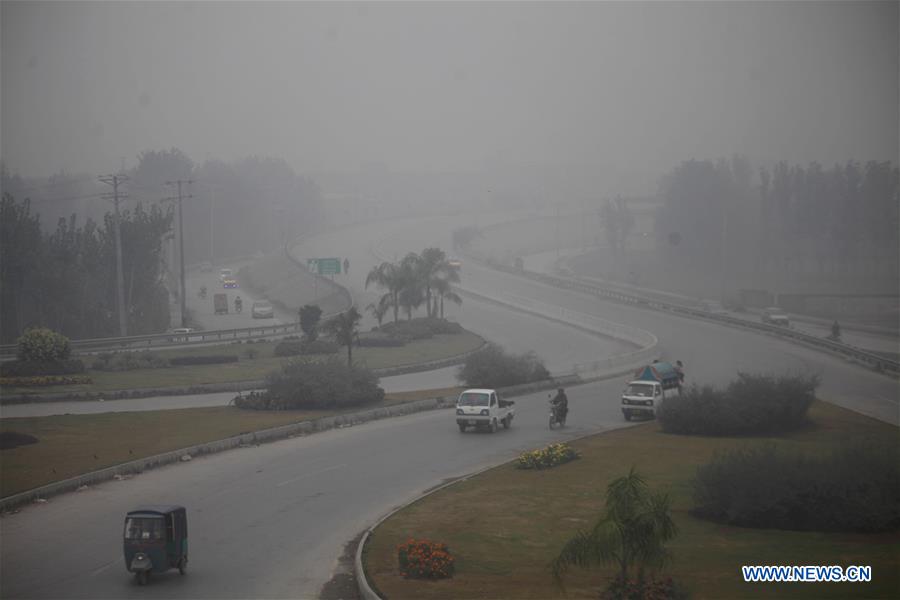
(155,340)
(875,360)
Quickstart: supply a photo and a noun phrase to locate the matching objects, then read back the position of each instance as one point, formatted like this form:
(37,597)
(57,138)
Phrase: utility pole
(114,181)
(181,244)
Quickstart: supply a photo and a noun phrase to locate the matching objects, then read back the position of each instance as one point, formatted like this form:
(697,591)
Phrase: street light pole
(181,246)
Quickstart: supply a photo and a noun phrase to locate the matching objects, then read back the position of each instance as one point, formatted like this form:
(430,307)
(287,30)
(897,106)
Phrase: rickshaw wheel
(141,577)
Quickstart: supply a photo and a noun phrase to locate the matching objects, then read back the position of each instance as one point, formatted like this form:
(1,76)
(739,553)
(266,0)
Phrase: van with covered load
(649,387)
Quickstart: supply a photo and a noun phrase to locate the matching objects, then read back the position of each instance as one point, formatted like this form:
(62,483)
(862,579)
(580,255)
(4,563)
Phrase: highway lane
(270,521)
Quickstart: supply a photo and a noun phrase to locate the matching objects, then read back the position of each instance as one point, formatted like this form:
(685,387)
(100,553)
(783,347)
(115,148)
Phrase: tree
(309,320)
(379,309)
(388,276)
(443,290)
(21,251)
(344,329)
(631,533)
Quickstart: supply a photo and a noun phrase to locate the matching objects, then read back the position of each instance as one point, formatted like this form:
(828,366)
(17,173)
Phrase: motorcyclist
(679,368)
(561,403)
(238,304)
(203,291)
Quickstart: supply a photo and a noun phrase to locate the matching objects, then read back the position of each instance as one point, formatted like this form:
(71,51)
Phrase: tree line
(66,279)
(416,280)
(838,223)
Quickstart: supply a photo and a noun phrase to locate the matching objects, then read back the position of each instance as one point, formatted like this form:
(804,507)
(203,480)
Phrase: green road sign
(324,266)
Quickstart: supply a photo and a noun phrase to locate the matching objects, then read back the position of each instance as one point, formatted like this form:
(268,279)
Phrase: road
(270,521)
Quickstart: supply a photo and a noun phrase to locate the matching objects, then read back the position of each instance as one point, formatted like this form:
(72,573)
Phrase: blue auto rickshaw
(155,540)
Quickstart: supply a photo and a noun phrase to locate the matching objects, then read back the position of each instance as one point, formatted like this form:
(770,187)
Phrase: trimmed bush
(295,347)
(325,384)
(14,439)
(424,559)
(854,489)
(202,360)
(751,404)
(19,368)
(491,367)
(375,340)
(128,361)
(419,329)
(42,345)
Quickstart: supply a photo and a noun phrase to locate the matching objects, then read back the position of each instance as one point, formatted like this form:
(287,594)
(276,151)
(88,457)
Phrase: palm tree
(443,290)
(343,328)
(434,267)
(411,294)
(380,308)
(390,277)
(630,533)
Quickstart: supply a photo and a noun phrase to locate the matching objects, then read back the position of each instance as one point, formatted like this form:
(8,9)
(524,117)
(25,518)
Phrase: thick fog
(626,89)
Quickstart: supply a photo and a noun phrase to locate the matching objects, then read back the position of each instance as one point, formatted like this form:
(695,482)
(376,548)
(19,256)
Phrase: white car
(775,316)
(262,310)
(225,274)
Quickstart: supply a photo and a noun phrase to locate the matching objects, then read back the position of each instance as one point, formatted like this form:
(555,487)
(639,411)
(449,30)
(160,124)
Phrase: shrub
(551,456)
(750,404)
(424,559)
(491,367)
(295,347)
(202,360)
(44,380)
(43,345)
(127,361)
(19,368)
(644,589)
(14,439)
(375,340)
(419,329)
(310,314)
(325,384)
(855,488)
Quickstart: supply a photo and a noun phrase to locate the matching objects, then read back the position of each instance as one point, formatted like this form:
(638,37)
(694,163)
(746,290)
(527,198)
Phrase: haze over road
(270,521)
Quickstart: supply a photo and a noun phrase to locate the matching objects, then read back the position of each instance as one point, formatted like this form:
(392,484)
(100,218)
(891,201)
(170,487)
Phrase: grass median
(505,526)
(70,445)
(255,361)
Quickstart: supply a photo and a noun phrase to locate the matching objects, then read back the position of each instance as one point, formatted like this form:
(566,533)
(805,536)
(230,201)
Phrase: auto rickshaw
(155,541)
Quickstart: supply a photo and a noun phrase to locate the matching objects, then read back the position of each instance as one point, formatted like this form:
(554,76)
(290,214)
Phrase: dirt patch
(342,585)
(14,439)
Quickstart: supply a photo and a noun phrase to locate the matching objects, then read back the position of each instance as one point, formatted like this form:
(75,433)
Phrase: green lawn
(71,445)
(255,361)
(506,525)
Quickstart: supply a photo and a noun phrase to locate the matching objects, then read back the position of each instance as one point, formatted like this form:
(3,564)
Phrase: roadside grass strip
(506,525)
(256,368)
(72,445)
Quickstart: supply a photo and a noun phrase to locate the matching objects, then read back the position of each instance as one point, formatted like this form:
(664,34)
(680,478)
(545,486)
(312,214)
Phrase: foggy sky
(447,87)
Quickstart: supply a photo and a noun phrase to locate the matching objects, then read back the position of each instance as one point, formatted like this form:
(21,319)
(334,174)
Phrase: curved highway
(270,521)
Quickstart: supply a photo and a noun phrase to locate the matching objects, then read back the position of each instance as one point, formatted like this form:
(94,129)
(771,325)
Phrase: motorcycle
(202,293)
(557,417)
(238,306)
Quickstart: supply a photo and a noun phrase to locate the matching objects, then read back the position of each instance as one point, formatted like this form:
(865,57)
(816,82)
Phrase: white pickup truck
(483,409)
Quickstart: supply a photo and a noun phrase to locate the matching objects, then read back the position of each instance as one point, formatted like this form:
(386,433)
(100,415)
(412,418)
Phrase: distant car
(229,284)
(225,274)
(455,263)
(713,307)
(775,316)
(262,310)
(206,266)
(180,334)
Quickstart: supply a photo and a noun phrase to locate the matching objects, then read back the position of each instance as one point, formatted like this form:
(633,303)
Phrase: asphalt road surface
(270,521)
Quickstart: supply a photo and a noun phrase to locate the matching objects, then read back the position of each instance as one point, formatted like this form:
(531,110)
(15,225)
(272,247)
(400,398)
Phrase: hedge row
(29,368)
(202,360)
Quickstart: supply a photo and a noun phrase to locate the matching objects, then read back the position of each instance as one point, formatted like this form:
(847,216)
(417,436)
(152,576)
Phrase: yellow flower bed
(551,456)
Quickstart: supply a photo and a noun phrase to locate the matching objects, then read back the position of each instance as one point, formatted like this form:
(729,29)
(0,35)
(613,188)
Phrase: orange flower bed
(424,559)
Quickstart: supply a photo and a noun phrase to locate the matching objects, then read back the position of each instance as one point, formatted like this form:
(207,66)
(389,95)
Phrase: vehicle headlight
(484,412)
(459,411)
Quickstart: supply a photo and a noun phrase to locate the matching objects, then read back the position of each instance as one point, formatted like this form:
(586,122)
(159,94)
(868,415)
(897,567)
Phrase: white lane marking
(305,475)
(96,572)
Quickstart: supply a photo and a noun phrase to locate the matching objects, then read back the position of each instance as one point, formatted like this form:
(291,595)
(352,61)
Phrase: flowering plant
(551,456)
(42,380)
(424,559)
